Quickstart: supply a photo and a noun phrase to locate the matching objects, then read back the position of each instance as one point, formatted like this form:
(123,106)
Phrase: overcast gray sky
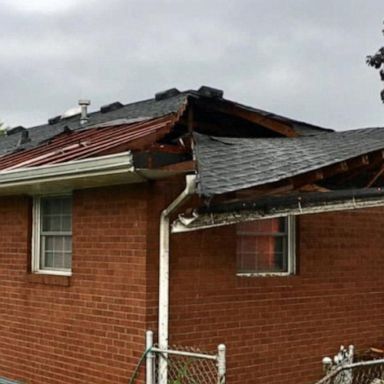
(300,58)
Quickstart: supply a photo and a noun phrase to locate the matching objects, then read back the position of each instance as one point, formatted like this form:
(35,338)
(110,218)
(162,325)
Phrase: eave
(295,204)
(79,174)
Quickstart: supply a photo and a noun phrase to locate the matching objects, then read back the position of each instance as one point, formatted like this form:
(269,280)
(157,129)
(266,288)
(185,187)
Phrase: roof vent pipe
(84,112)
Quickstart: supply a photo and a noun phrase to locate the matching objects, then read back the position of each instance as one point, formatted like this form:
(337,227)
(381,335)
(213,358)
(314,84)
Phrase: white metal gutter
(190,188)
(77,168)
(196,222)
(77,174)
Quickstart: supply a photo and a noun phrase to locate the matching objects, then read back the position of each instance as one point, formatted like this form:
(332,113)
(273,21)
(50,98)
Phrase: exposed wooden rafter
(356,163)
(376,177)
(187,166)
(307,182)
(252,116)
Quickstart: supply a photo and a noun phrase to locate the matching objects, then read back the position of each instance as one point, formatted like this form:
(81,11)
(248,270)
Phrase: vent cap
(167,94)
(14,130)
(54,120)
(213,93)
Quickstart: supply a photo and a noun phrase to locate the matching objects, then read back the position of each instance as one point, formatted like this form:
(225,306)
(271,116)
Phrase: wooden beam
(307,181)
(356,163)
(168,148)
(265,190)
(256,193)
(187,166)
(190,122)
(375,178)
(200,124)
(313,188)
(252,116)
(344,166)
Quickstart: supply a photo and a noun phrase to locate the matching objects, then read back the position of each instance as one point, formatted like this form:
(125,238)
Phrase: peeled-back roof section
(231,164)
(147,109)
(88,143)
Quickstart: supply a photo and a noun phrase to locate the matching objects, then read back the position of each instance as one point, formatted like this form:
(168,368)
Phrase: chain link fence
(363,372)
(184,365)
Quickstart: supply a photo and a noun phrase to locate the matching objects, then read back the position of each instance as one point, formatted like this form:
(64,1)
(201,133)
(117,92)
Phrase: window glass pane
(246,262)
(262,246)
(56,214)
(51,223)
(56,205)
(59,260)
(48,243)
(67,261)
(55,238)
(283,224)
(58,243)
(67,246)
(66,206)
(47,261)
(56,252)
(281,254)
(66,223)
(49,206)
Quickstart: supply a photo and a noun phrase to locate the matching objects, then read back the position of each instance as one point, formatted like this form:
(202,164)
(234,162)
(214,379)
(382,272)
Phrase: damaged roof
(164,103)
(147,109)
(231,164)
(82,144)
(236,146)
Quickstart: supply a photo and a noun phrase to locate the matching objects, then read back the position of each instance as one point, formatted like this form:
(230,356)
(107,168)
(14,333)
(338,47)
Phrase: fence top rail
(350,366)
(195,355)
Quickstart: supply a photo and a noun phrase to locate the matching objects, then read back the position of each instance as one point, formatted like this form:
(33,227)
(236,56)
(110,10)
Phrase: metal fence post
(221,364)
(149,375)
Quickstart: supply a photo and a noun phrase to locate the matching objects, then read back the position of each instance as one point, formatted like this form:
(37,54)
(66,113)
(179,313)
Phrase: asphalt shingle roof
(144,109)
(230,164)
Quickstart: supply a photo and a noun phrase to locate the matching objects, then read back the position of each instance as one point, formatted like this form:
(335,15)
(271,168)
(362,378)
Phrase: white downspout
(164,273)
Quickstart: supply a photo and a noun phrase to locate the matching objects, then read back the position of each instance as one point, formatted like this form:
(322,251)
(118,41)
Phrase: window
(266,247)
(52,235)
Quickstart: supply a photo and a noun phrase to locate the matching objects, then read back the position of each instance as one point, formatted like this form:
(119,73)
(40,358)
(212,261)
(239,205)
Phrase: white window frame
(291,253)
(36,237)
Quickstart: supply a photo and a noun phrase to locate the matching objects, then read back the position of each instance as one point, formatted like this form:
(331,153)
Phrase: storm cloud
(300,58)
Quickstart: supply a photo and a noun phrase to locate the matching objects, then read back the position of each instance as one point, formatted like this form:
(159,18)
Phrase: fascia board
(73,169)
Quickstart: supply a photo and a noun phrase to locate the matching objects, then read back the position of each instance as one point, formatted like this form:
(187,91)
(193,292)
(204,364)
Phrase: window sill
(266,274)
(46,279)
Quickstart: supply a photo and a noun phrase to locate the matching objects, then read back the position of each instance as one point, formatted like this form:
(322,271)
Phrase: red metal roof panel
(88,143)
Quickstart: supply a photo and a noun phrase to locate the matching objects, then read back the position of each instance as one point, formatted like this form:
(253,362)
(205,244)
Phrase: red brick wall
(91,331)
(277,329)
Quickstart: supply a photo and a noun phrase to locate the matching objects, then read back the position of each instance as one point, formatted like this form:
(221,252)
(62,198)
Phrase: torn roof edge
(299,204)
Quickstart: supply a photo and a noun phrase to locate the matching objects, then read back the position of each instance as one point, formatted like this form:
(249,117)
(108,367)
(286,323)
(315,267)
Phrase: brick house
(82,199)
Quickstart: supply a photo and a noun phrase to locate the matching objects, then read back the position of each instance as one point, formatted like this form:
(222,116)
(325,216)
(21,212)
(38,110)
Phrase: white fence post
(149,375)
(188,364)
(221,364)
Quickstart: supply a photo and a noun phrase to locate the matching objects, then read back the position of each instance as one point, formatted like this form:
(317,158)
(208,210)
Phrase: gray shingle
(230,164)
(147,108)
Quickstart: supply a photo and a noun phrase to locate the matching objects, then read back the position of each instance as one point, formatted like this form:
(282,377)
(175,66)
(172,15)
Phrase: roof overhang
(298,204)
(79,174)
